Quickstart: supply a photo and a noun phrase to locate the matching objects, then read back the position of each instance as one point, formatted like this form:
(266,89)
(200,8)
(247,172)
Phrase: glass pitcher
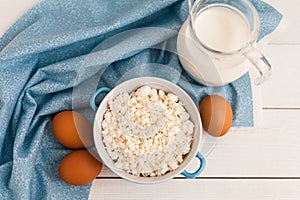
(217,43)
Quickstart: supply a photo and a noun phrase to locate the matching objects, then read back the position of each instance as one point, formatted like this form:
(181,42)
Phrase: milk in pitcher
(217,43)
(222,29)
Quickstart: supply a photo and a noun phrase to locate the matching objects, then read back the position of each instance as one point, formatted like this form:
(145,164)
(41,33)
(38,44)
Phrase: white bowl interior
(157,83)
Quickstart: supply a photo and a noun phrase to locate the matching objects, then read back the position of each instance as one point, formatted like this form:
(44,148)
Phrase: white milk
(222,29)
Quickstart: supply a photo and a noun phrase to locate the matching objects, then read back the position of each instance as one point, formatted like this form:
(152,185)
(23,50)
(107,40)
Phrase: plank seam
(223,178)
(281,108)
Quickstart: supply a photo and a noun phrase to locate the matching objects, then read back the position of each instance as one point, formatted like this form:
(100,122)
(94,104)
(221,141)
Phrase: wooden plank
(283,88)
(289,31)
(11,10)
(272,151)
(197,189)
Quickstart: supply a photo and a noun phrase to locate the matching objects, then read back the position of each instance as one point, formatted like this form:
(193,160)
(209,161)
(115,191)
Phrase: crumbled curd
(147,132)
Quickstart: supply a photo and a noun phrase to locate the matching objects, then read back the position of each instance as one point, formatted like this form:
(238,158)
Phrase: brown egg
(79,168)
(72,130)
(216,115)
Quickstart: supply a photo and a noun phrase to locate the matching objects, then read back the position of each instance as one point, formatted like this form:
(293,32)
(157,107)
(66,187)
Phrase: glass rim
(253,34)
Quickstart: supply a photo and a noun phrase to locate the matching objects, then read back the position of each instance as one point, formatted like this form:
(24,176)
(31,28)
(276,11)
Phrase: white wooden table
(262,163)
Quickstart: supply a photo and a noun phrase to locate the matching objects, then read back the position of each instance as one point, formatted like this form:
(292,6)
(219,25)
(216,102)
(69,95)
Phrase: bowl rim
(137,83)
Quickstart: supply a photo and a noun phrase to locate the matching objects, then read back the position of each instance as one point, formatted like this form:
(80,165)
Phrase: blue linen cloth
(50,57)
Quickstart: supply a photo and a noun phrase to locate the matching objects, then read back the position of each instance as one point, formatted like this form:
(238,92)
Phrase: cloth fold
(59,52)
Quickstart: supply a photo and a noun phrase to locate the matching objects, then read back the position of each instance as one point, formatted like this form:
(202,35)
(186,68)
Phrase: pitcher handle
(261,63)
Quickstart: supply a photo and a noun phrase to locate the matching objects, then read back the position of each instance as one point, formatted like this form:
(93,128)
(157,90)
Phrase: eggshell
(216,115)
(79,168)
(72,130)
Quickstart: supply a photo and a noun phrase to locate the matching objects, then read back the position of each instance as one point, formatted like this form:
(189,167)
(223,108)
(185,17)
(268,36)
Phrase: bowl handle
(199,170)
(93,99)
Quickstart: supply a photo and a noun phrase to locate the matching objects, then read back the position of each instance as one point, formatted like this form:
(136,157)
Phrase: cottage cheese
(147,132)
